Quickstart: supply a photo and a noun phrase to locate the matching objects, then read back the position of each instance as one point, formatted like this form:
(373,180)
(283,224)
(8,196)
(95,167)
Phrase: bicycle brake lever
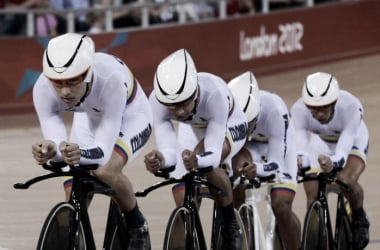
(140,194)
(256,183)
(20,186)
(164,172)
(52,167)
(84,167)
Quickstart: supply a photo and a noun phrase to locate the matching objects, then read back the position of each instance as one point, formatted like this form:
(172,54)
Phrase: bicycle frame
(191,180)
(325,179)
(264,237)
(83,187)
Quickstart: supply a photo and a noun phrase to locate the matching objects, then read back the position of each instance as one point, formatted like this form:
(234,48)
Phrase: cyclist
(211,129)
(269,148)
(112,118)
(339,139)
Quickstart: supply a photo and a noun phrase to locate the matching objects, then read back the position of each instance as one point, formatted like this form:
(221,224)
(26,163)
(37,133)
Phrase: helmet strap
(196,101)
(85,94)
(332,111)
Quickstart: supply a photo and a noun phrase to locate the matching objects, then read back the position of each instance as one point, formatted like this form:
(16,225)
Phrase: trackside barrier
(137,7)
(262,43)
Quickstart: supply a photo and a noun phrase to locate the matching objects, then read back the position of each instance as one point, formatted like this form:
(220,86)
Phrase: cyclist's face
(182,111)
(70,90)
(323,114)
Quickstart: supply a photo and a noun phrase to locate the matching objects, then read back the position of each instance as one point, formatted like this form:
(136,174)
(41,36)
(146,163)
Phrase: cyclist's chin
(323,121)
(70,102)
(182,118)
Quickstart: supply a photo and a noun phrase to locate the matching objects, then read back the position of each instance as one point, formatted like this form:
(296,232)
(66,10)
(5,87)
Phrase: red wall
(262,43)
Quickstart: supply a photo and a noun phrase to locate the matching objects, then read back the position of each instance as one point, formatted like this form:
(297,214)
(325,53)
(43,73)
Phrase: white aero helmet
(320,89)
(68,56)
(176,79)
(245,91)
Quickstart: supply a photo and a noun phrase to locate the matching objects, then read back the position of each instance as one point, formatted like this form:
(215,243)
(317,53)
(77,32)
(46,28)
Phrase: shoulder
(347,101)
(346,96)
(153,101)
(211,83)
(207,78)
(298,104)
(107,67)
(299,110)
(42,85)
(272,101)
(109,62)
(104,59)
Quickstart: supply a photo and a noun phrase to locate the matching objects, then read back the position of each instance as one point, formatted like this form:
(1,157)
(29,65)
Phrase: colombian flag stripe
(122,149)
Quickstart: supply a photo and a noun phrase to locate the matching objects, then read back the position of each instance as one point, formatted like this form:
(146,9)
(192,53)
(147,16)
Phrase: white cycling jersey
(115,115)
(273,140)
(345,134)
(215,118)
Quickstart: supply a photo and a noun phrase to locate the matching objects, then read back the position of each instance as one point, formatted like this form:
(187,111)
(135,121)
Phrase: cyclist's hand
(325,163)
(70,152)
(43,151)
(154,161)
(249,170)
(190,160)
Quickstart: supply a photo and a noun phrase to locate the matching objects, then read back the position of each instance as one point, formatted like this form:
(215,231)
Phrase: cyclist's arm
(298,117)
(218,108)
(278,127)
(352,119)
(47,106)
(113,98)
(165,134)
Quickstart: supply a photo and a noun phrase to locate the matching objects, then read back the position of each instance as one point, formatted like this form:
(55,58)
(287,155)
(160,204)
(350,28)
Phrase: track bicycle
(68,226)
(184,222)
(259,236)
(318,230)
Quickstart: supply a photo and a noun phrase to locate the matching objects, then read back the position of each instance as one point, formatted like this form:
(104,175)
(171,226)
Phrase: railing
(142,8)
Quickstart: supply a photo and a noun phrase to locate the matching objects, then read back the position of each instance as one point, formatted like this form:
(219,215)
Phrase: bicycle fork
(264,238)
(271,229)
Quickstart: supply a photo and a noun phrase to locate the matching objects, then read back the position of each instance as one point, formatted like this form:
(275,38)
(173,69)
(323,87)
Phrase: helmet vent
(324,92)
(249,99)
(180,90)
(61,69)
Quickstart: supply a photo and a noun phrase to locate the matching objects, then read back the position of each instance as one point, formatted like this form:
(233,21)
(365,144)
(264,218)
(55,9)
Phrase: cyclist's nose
(65,91)
(179,111)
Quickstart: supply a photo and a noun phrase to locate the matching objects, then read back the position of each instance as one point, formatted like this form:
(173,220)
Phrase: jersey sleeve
(278,141)
(165,133)
(114,100)
(218,105)
(46,104)
(353,116)
(298,116)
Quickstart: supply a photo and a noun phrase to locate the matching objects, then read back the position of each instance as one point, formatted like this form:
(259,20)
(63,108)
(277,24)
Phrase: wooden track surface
(22,212)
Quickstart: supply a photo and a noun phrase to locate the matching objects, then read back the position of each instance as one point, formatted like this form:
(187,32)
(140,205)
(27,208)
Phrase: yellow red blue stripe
(123,149)
(284,188)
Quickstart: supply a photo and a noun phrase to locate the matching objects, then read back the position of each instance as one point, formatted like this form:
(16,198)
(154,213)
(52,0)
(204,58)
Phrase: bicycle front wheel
(314,231)
(180,233)
(57,232)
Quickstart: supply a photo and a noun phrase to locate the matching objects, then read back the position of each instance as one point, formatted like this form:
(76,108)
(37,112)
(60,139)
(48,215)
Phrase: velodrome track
(22,212)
